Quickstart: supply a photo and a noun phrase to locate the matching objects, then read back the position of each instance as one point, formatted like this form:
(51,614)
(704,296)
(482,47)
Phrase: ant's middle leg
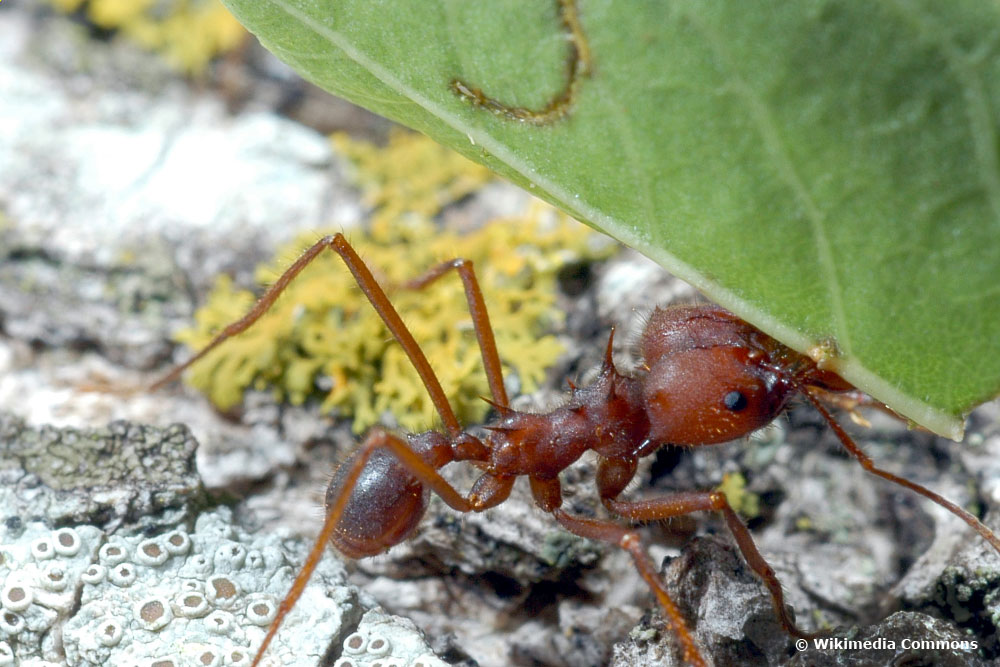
(380,302)
(480,320)
(548,496)
(629,540)
(610,476)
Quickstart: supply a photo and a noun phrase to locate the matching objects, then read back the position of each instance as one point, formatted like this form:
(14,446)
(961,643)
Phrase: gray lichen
(40,571)
(78,596)
(124,472)
(205,597)
(382,640)
(154,582)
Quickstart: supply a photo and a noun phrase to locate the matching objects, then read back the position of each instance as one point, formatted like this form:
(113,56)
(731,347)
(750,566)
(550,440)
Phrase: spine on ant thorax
(606,416)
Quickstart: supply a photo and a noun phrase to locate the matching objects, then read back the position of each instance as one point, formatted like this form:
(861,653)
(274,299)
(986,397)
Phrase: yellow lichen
(734,486)
(323,332)
(189,33)
(116,13)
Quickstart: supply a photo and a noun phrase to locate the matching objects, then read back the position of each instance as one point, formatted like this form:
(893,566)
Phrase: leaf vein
(978,112)
(763,118)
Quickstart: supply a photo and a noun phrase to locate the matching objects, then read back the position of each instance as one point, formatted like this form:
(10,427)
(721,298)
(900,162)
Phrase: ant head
(384,507)
(711,376)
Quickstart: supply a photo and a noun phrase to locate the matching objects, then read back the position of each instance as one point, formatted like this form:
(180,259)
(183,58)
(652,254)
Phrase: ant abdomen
(708,379)
(385,505)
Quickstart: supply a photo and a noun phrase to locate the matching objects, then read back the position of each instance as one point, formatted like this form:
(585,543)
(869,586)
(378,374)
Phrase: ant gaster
(707,377)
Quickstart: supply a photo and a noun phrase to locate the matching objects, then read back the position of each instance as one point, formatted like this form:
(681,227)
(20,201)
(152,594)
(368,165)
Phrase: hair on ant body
(706,377)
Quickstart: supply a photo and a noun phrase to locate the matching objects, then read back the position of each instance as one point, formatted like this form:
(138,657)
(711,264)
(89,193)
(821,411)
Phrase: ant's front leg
(376,296)
(854,450)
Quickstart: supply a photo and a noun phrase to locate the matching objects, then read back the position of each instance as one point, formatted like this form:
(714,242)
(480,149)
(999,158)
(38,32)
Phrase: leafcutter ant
(706,377)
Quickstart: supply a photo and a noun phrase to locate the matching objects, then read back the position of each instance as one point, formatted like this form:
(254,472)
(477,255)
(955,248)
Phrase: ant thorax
(606,416)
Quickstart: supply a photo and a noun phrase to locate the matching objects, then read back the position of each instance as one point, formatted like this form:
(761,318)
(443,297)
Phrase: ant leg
(681,503)
(380,302)
(612,533)
(548,495)
(480,320)
(487,492)
(866,463)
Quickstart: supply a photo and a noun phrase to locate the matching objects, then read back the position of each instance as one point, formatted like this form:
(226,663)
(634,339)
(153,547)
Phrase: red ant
(708,377)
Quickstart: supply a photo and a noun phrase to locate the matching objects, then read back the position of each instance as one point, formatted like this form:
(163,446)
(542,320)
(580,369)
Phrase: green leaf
(827,169)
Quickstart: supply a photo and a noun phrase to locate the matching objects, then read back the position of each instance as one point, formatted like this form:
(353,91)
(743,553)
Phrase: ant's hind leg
(388,510)
(480,320)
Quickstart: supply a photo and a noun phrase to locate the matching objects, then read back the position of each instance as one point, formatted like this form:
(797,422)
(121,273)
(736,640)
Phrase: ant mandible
(707,377)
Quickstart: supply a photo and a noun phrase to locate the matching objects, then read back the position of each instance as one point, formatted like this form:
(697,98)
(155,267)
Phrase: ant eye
(734,401)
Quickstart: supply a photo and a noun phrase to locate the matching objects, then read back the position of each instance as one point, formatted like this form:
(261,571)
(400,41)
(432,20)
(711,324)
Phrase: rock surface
(122,473)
